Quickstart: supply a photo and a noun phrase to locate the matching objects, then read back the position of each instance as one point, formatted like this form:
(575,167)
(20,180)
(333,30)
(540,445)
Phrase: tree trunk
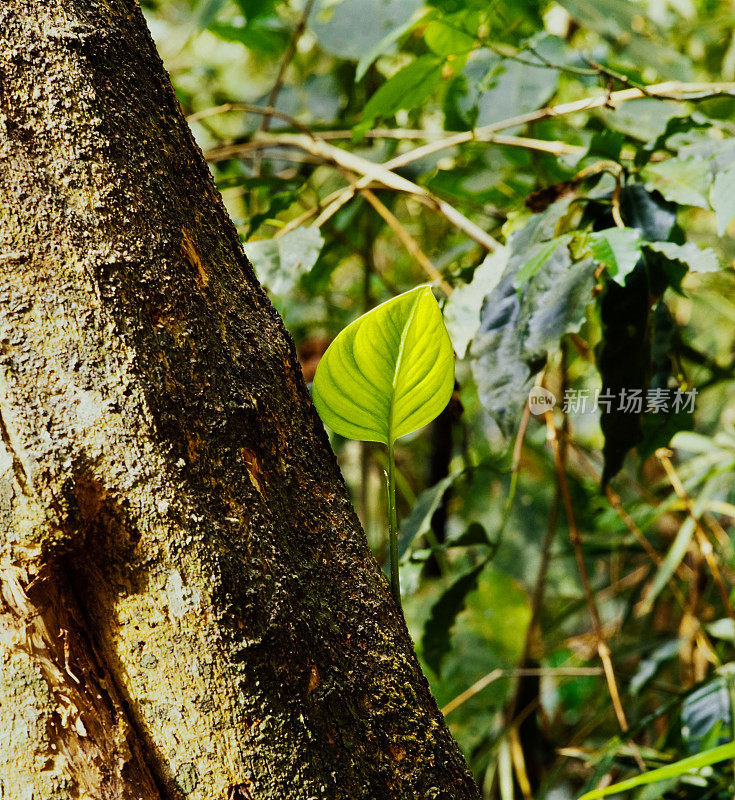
(188,605)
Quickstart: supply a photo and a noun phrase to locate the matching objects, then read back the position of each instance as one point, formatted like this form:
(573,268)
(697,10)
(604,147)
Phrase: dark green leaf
(606,144)
(438,628)
(252,9)
(623,361)
(408,88)
(260,39)
(653,216)
(473,534)
(418,522)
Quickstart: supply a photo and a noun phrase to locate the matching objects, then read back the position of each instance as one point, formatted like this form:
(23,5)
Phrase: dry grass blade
(705,546)
(496,674)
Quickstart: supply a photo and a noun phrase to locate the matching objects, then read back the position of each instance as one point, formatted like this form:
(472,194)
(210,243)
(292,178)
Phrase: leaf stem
(395,581)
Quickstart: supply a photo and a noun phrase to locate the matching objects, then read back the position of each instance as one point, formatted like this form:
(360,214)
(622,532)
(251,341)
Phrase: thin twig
(669,90)
(265,111)
(672,90)
(411,245)
(496,674)
(286,60)
(617,505)
(555,147)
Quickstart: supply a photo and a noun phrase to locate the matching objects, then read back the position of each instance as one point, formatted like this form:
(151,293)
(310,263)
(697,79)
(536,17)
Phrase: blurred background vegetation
(563,173)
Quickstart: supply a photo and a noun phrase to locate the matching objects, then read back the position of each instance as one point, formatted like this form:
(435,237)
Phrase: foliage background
(580,246)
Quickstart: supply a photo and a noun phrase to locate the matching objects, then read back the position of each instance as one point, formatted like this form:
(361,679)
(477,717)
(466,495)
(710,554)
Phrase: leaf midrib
(404,333)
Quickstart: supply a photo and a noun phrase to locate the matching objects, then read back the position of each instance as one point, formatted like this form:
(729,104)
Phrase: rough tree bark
(188,606)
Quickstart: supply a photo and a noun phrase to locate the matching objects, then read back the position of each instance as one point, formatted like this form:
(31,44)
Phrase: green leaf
(674,126)
(682,180)
(438,628)
(276,202)
(473,534)
(495,89)
(418,522)
(675,770)
(279,263)
(644,120)
(617,249)
(606,143)
(206,10)
(722,197)
(623,360)
(382,46)
(446,36)
(696,259)
(267,41)
(537,257)
(408,88)
(388,373)
(252,9)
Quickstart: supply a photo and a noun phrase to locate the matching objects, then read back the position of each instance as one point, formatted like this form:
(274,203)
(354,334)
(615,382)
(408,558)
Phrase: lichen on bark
(188,607)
